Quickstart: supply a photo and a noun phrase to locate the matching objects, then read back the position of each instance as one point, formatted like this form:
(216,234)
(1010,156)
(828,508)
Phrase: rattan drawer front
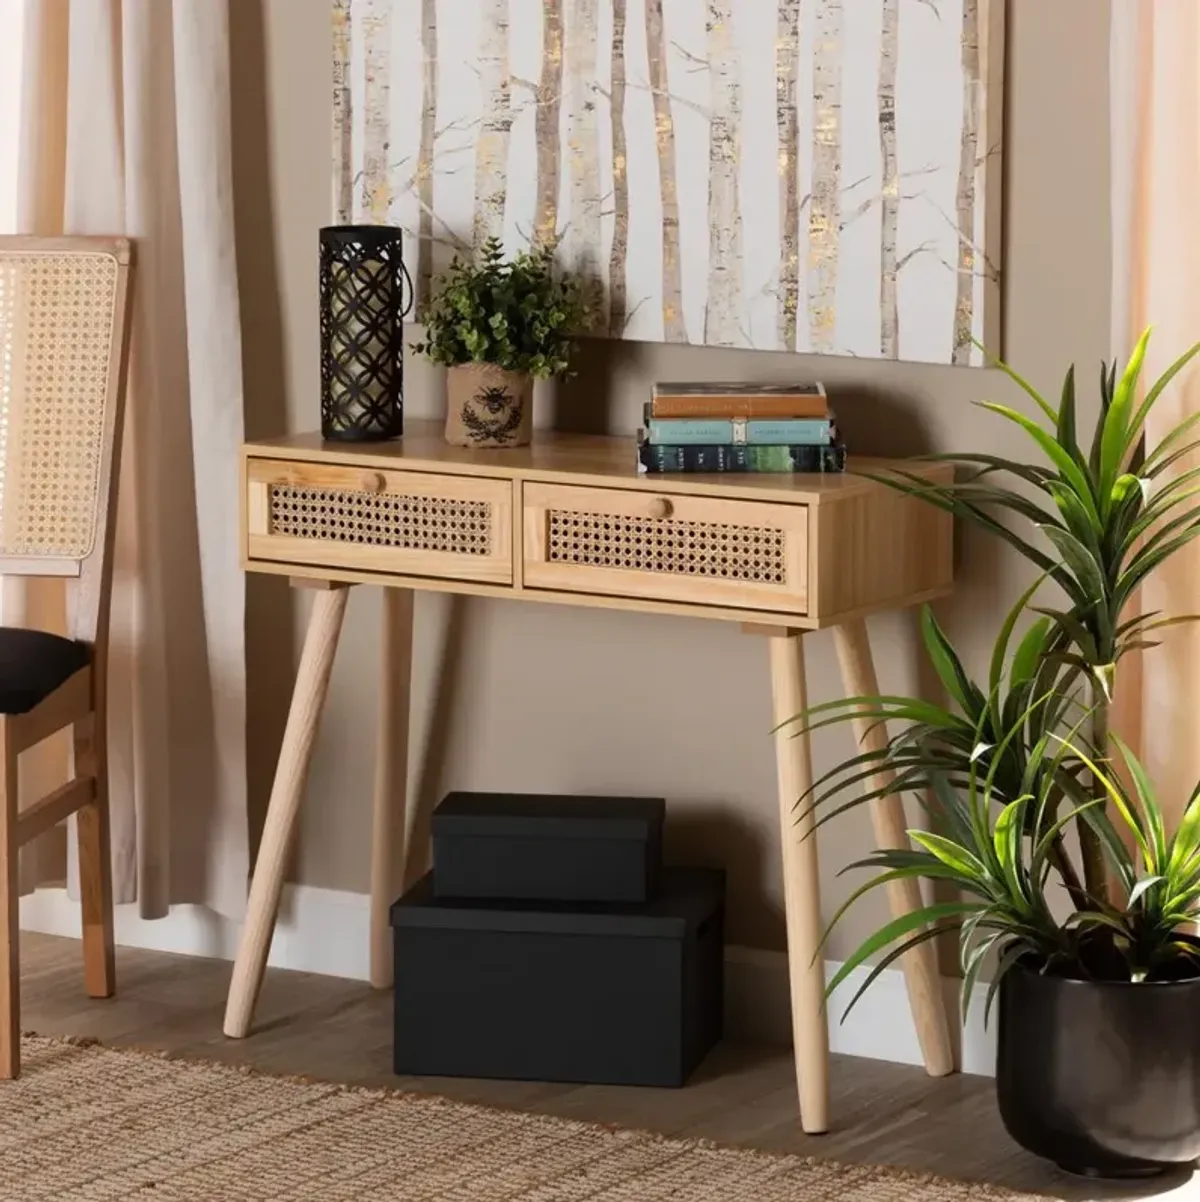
(413,523)
(666,548)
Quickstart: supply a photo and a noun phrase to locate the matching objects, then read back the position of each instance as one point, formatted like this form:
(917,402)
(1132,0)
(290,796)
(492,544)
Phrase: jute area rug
(86,1123)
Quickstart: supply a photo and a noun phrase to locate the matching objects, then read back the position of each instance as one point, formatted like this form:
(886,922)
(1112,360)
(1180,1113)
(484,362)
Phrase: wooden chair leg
(801,886)
(10,955)
(308,699)
(920,966)
(95,861)
(391,778)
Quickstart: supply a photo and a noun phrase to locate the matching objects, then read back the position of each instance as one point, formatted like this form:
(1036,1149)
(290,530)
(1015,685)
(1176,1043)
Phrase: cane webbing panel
(409,522)
(716,550)
(56,357)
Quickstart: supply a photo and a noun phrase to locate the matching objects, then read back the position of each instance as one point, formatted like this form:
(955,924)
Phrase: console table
(568,521)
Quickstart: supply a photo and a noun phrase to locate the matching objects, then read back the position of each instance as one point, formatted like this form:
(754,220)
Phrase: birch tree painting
(803,175)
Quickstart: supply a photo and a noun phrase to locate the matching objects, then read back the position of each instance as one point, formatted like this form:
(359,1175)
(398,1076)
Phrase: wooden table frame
(569,521)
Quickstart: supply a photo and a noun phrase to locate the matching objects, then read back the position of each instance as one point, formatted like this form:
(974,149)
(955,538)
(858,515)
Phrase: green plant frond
(1020,381)
(1163,464)
(989,464)
(923,933)
(952,854)
(972,961)
(1186,844)
(1115,437)
(942,497)
(884,707)
(1157,388)
(1071,472)
(1081,562)
(929,869)
(1000,650)
(1149,559)
(1152,815)
(948,666)
(1011,954)
(1075,518)
(1006,841)
(1156,459)
(1046,840)
(1119,856)
(922,921)
(1141,887)
(1065,432)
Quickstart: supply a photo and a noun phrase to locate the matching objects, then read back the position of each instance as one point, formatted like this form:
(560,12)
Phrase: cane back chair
(64,345)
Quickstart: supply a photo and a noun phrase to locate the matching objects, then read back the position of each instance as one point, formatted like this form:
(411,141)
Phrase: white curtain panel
(126,129)
(1155,74)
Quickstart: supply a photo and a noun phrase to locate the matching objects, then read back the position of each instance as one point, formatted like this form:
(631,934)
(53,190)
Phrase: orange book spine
(740,406)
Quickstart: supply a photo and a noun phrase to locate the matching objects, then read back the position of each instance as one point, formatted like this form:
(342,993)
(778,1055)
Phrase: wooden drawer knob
(661,507)
(374,482)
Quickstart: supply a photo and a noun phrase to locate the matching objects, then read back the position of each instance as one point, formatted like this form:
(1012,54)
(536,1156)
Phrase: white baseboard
(880,1027)
(319,930)
(326,931)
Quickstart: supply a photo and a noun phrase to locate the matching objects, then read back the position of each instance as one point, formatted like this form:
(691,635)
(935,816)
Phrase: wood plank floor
(340,1030)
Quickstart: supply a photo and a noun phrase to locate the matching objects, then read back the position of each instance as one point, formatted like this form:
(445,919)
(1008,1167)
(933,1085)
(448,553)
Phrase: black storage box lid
(547,816)
(689,896)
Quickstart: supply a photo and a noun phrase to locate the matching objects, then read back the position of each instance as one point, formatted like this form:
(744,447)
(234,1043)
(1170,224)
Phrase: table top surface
(601,459)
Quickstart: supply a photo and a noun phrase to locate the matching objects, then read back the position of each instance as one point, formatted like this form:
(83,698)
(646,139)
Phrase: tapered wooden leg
(95,859)
(920,965)
(308,699)
(10,953)
(801,885)
(391,778)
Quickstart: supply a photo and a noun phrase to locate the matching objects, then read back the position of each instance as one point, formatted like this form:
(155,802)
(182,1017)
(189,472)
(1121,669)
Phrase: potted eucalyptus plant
(498,326)
(1068,889)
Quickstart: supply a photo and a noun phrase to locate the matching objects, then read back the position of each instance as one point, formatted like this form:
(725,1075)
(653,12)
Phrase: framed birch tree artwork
(808,175)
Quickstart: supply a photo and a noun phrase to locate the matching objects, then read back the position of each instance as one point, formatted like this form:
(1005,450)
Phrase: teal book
(655,459)
(667,431)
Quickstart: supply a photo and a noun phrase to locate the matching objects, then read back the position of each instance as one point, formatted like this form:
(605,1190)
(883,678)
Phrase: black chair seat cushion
(33,664)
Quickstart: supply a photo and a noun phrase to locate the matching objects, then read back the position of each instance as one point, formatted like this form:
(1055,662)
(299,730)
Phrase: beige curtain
(1155,79)
(125,129)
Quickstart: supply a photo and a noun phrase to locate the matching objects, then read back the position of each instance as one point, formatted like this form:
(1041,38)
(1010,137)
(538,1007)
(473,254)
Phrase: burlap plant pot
(487,406)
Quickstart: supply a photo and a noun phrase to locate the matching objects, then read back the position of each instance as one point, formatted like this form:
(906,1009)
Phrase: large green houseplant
(1068,884)
(498,325)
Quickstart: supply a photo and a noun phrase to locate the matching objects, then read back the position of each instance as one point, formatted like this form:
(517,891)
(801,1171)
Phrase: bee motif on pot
(493,414)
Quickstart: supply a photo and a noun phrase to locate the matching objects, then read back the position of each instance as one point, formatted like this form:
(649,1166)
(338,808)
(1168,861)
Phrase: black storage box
(530,847)
(620,995)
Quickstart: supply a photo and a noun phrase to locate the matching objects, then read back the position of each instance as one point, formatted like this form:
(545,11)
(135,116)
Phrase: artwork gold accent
(808,175)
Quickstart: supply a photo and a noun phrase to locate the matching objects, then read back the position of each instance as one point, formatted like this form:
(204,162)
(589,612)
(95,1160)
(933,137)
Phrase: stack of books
(739,428)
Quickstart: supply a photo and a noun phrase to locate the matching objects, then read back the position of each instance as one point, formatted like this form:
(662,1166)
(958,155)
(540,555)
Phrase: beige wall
(513,696)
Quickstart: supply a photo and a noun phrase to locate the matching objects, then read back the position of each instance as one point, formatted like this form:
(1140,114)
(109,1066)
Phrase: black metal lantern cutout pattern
(363,306)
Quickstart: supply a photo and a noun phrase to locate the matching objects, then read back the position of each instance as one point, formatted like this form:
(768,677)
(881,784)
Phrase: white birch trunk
(491,148)
(429,85)
(583,139)
(824,219)
(618,289)
(343,188)
(968,165)
(674,328)
(787,123)
(549,105)
(377,53)
(889,316)
(722,322)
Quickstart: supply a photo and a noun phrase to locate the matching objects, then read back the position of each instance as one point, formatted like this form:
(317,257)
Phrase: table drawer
(412,523)
(662,547)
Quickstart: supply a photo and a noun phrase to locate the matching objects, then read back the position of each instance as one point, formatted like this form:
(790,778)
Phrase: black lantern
(363,307)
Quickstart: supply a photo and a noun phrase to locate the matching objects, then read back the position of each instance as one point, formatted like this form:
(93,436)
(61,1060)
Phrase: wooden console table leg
(308,700)
(391,778)
(801,885)
(920,965)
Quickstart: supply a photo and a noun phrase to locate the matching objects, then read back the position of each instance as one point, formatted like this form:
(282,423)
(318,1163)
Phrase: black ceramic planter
(1103,1078)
